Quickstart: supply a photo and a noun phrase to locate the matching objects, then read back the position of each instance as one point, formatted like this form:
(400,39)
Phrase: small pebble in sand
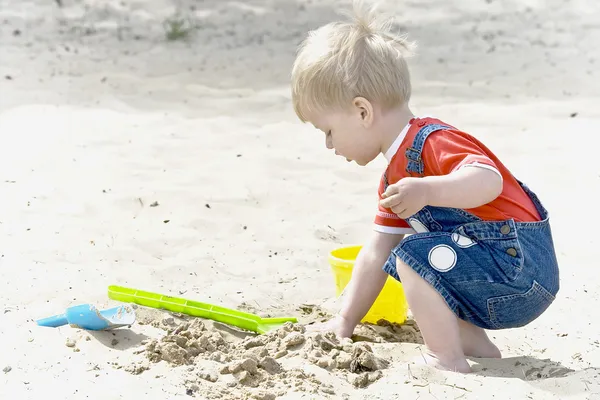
(248,364)
(343,360)
(137,369)
(327,389)
(70,343)
(225,370)
(243,377)
(236,366)
(327,342)
(218,357)
(231,383)
(255,342)
(263,395)
(257,353)
(363,362)
(359,381)
(169,352)
(208,376)
(281,333)
(364,379)
(7,369)
(293,339)
(325,362)
(280,354)
(270,365)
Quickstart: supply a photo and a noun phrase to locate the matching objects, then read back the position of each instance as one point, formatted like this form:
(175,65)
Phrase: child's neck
(391,124)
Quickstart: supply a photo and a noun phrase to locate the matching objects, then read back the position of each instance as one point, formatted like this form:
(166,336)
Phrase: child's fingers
(390,202)
(391,190)
(402,212)
(386,203)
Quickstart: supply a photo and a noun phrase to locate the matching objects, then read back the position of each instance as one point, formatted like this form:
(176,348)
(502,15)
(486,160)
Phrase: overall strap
(413,153)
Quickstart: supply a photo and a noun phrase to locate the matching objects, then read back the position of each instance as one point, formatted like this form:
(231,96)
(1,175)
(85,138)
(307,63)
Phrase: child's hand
(337,325)
(406,197)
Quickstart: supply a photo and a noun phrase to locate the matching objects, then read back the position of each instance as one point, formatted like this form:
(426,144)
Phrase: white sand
(100,117)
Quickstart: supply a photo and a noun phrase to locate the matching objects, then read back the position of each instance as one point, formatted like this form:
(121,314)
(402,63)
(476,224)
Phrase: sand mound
(218,365)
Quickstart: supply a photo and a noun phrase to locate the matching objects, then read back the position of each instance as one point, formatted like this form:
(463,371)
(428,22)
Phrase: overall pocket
(508,257)
(516,310)
(503,260)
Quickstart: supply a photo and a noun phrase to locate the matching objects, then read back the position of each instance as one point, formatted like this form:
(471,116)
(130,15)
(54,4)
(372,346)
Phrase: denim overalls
(494,274)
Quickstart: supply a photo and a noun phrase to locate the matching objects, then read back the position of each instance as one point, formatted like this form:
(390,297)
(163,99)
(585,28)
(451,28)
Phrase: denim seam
(424,235)
(438,227)
(533,225)
(535,288)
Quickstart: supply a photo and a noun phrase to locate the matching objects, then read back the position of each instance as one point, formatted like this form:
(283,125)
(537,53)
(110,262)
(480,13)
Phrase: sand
(178,166)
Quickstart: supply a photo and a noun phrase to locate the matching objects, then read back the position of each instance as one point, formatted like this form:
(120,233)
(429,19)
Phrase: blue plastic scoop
(86,316)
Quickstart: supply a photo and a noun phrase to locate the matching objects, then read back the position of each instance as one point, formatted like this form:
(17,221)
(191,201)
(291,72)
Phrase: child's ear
(365,110)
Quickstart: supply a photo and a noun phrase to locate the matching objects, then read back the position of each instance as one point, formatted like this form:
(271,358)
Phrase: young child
(480,254)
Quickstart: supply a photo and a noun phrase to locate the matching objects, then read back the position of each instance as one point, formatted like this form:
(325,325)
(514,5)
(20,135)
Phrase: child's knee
(411,280)
(400,265)
(408,276)
(405,272)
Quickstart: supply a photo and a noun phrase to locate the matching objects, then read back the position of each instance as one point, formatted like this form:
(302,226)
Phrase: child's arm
(468,187)
(465,188)
(367,281)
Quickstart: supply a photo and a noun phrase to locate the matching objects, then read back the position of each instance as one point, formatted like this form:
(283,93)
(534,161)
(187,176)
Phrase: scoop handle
(53,321)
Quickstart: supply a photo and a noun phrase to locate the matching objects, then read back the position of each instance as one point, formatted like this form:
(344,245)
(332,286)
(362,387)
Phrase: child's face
(350,133)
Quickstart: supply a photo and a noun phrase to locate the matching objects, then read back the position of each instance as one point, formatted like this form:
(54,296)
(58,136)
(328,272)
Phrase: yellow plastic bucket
(391,303)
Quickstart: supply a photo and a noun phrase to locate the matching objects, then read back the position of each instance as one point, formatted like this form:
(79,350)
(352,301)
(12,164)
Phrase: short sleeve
(447,151)
(386,221)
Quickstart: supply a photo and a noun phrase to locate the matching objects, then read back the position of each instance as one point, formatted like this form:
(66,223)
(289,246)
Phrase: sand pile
(218,364)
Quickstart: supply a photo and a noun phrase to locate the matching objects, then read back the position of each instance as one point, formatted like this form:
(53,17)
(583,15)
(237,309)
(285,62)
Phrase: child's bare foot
(483,350)
(443,362)
(475,342)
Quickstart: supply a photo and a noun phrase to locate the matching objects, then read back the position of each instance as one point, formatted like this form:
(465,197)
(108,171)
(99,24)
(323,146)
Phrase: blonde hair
(343,60)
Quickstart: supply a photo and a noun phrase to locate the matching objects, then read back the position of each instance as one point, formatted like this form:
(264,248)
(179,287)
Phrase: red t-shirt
(446,151)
